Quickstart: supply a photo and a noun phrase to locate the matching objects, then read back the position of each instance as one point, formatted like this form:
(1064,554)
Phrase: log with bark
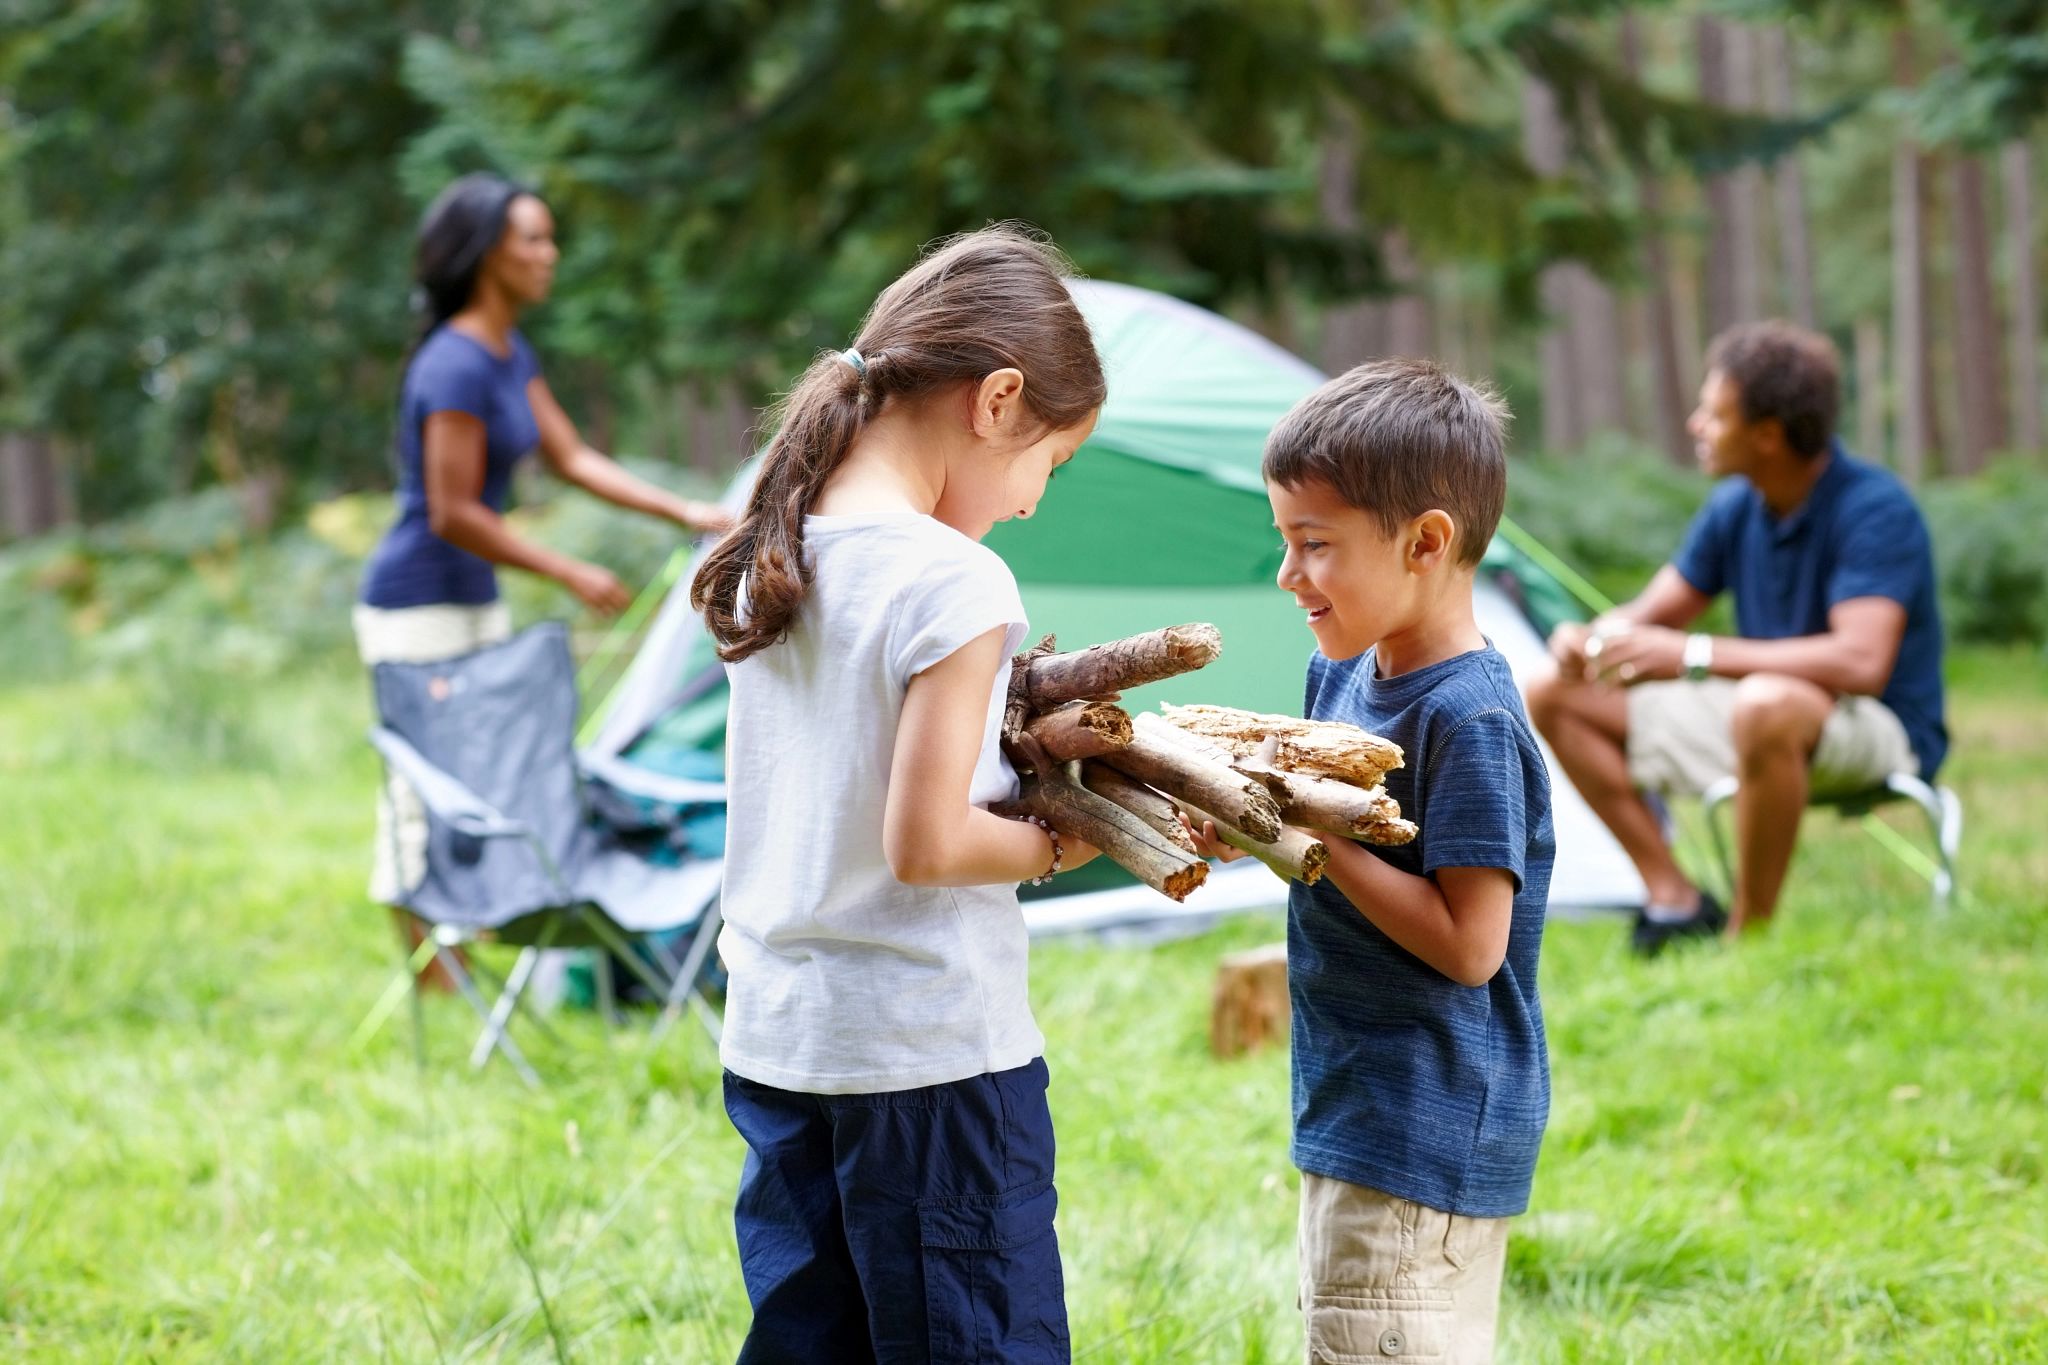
(1268,783)
(1250,1007)
(1141,850)
(1049,679)
(1319,748)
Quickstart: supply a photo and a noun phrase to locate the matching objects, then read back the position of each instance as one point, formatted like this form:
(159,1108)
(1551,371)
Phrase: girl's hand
(599,588)
(1206,842)
(1076,852)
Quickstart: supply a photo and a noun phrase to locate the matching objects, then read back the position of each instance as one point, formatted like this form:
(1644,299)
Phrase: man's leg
(1778,721)
(1587,726)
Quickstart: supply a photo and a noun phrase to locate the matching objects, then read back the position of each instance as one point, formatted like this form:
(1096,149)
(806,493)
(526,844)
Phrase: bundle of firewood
(1096,772)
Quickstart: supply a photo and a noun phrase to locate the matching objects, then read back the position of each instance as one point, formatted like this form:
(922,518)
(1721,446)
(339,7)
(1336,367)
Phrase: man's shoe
(1651,936)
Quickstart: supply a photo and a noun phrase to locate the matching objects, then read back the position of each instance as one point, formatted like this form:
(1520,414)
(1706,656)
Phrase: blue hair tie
(853,358)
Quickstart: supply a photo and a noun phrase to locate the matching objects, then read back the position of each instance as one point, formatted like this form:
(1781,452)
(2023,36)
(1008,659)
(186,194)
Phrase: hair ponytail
(982,302)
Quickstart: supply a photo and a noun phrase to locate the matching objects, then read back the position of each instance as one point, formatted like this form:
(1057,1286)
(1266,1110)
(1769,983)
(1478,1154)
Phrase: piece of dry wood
(1388,833)
(1295,856)
(1336,807)
(1049,679)
(1123,837)
(1320,748)
(1189,777)
(1017,708)
(1250,1007)
(1082,729)
(1140,800)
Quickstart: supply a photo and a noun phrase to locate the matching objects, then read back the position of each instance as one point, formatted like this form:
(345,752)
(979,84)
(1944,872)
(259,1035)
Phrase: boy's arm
(1457,922)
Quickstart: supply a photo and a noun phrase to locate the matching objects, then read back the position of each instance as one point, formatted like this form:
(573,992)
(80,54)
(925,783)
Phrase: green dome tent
(1161,518)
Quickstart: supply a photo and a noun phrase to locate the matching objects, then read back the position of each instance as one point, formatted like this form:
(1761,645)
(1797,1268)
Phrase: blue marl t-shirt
(1404,1080)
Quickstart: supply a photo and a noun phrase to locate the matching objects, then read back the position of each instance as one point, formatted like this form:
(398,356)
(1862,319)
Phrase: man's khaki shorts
(1681,740)
(1388,1279)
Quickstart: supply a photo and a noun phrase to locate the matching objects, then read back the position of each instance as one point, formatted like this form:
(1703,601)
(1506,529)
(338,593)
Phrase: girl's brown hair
(979,303)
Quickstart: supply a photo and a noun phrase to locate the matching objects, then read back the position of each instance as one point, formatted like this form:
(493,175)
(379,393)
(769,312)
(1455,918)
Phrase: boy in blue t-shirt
(1421,1080)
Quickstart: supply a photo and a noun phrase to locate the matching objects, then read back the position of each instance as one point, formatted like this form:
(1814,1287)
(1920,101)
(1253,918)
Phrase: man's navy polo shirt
(1858,534)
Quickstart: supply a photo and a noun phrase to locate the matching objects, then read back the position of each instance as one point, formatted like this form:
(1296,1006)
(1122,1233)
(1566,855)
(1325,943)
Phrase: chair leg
(1944,823)
(508,1001)
(1711,802)
(477,1002)
(684,990)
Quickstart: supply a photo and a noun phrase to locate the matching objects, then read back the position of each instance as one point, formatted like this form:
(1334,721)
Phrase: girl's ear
(1429,540)
(996,401)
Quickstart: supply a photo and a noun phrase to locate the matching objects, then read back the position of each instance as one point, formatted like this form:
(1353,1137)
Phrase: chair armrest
(446,796)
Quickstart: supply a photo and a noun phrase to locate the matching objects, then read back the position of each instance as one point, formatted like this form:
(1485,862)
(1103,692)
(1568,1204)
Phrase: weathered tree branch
(1140,800)
(1049,679)
(1320,748)
(1123,837)
(1082,729)
(1294,856)
(1189,777)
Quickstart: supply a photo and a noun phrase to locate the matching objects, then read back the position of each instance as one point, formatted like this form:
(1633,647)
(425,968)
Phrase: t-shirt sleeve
(453,382)
(1702,558)
(1882,552)
(953,603)
(1477,807)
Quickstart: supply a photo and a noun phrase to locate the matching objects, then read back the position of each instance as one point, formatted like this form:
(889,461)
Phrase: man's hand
(1568,647)
(1637,655)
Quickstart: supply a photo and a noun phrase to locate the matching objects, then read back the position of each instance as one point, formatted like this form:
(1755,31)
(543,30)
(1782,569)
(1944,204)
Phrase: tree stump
(1249,1010)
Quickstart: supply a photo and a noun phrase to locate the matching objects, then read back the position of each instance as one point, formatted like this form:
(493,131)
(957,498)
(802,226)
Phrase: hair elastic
(854,358)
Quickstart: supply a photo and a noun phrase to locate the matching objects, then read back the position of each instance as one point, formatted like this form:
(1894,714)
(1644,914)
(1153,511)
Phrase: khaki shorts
(1681,740)
(415,635)
(1388,1279)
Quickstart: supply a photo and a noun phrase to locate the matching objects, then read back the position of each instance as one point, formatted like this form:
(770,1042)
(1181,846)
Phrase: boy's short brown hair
(1784,373)
(1397,438)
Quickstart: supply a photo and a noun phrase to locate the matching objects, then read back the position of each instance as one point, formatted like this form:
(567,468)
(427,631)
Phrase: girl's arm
(1456,921)
(577,463)
(452,468)
(931,835)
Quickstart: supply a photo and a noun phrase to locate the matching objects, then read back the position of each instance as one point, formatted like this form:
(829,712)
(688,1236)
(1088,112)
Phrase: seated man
(1833,681)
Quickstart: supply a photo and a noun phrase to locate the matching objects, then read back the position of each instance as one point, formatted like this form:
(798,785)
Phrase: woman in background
(473,405)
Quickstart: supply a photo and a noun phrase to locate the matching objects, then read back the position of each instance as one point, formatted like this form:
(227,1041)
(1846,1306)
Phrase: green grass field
(1828,1145)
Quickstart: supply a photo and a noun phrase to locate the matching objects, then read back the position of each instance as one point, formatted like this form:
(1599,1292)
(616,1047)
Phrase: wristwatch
(1698,657)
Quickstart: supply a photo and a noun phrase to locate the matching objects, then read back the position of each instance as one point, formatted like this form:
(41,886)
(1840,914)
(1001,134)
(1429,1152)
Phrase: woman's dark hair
(457,231)
(979,303)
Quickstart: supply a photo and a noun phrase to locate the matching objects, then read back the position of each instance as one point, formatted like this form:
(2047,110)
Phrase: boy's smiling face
(1343,570)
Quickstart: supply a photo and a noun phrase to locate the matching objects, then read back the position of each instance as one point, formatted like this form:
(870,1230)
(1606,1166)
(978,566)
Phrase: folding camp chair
(484,740)
(1942,807)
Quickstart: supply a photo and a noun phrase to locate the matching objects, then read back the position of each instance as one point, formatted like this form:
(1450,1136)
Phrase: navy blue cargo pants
(906,1226)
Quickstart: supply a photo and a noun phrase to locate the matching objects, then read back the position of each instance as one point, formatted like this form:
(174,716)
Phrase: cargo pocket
(1379,1323)
(992,1283)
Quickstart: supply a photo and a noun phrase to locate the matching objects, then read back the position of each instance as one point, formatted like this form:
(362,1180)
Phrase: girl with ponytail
(881,1058)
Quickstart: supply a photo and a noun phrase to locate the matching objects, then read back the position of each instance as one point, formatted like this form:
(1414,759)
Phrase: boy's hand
(1206,842)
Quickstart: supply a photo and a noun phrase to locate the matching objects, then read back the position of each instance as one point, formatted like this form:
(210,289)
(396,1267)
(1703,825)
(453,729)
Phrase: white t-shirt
(843,979)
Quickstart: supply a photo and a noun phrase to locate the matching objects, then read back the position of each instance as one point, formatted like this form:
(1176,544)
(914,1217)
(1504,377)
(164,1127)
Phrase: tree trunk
(1543,144)
(1595,329)
(2025,356)
(1870,386)
(1667,383)
(1978,387)
(1912,428)
(1353,331)
(32,492)
(1749,195)
(1722,306)
(1795,247)
(1410,328)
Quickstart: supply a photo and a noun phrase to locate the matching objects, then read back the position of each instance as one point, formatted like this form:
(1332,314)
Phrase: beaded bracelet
(1057,852)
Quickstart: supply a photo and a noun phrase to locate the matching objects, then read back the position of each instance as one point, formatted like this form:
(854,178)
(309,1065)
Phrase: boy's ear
(996,401)
(1431,538)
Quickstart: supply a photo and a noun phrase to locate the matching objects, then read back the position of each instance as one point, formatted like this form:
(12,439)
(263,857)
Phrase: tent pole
(623,630)
(1575,583)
